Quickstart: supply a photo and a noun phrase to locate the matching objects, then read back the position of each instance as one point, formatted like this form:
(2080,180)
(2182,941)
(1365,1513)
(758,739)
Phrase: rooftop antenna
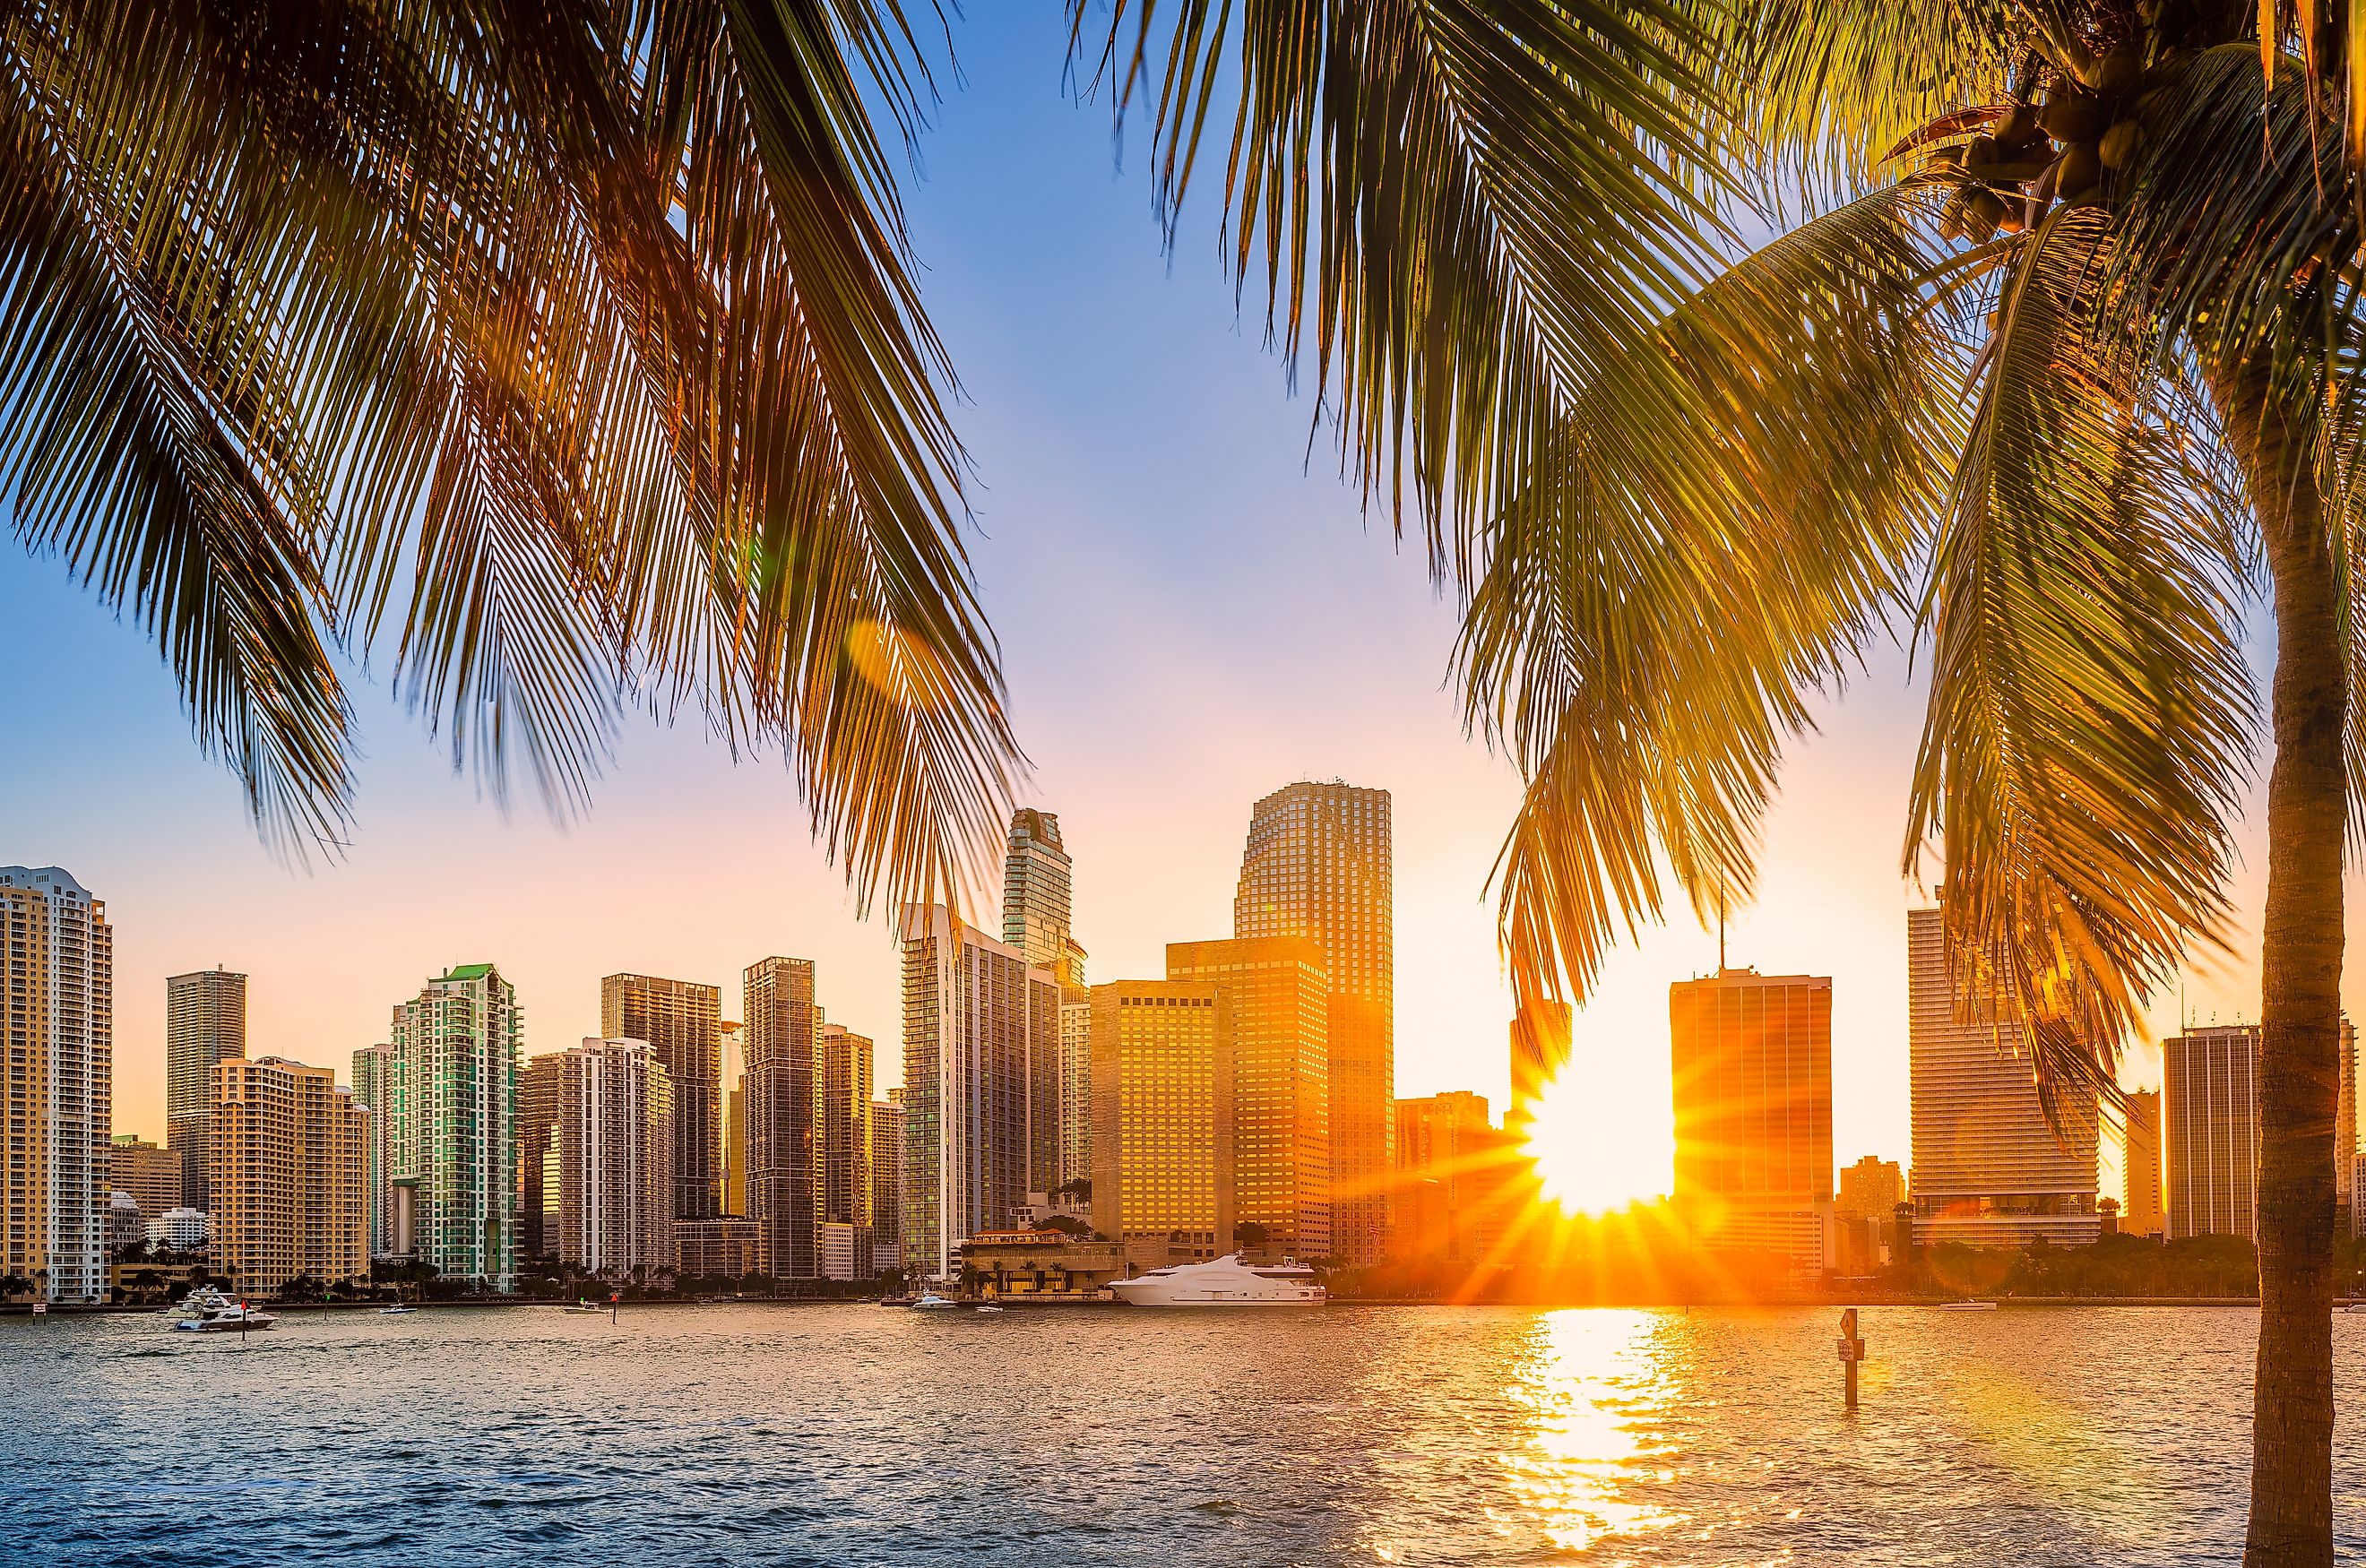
(1720,921)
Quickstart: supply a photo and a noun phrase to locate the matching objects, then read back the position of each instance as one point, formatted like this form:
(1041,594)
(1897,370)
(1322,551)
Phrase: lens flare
(1595,1151)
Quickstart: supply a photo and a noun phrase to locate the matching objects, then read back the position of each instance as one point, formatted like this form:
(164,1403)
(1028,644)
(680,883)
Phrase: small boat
(235,1317)
(2355,1307)
(1967,1306)
(929,1300)
(398,1310)
(988,1306)
(591,1308)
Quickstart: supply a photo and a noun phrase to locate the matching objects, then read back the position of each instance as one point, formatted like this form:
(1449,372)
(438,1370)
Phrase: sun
(1597,1150)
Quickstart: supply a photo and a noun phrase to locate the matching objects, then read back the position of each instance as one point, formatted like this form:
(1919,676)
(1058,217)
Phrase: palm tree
(2068,356)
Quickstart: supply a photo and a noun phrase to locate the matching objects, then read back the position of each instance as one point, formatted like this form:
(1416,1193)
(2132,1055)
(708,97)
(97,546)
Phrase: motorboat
(397,1310)
(201,1302)
(1229,1280)
(988,1306)
(929,1300)
(231,1317)
(1967,1306)
(587,1308)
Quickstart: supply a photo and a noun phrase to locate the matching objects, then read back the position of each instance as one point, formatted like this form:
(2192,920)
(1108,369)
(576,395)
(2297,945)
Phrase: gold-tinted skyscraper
(1318,866)
(288,1150)
(681,1022)
(2142,1214)
(1751,1059)
(845,1134)
(784,1098)
(1280,1003)
(205,1022)
(57,1017)
(1162,1120)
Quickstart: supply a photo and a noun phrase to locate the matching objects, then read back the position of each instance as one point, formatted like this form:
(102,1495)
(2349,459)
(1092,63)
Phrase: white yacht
(230,1318)
(1229,1280)
(930,1301)
(201,1302)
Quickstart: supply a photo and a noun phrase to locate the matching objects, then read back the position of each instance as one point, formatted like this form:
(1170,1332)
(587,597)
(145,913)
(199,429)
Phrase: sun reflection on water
(1597,1389)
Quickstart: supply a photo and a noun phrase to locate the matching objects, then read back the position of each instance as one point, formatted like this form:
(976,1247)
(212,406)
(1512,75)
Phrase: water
(1408,1435)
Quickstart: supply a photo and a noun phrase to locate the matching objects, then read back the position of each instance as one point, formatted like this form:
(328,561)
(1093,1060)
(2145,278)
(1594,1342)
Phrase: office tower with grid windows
(57,1025)
(372,1083)
(682,1022)
(1279,997)
(150,1174)
(1163,1126)
(288,1163)
(537,1155)
(2210,1126)
(205,1022)
(1988,1168)
(887,1182)
(1318,864)
(1750,1069)
(735,1119)
(981,1075)
(449,1160)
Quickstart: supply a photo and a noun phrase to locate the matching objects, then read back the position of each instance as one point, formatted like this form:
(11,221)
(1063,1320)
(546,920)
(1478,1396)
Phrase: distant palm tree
(2071,354)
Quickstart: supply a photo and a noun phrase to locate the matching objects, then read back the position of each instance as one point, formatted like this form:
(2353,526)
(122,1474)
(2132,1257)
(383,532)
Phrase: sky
(1193,610)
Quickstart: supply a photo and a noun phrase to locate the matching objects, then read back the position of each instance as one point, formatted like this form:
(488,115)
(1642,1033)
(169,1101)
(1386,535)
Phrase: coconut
(2118,148)
(2018,122)
(1983,210)
(2080,167)
(2117,72)
(2073,115)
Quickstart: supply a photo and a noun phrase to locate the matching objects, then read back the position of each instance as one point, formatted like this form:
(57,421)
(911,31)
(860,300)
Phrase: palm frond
(1659,601)
(2089,728)
(1461,211)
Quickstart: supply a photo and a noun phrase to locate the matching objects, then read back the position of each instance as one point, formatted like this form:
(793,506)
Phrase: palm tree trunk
(2300,974)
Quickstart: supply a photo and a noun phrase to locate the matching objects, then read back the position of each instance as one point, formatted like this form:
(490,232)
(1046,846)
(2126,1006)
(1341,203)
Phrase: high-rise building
(608,1169)
(1542,1033)
(288,1155)
(1988,1170)
(1162,1120)
(981,1053)
(784,1091)
(539,1085)
(2210,1126)
(1751,1066)
(57,1019)
(887,1182)
(735,1119)
(1870,1189)
(151,1175)
(1280,1001)
(1454,1171)
(1318,864)
(372,1084)
(205,1022)
(682,1022)
(2143,1210)
(1037,916)
(449,1081)
(1076,1087)
(2345,1122)
(845,1138)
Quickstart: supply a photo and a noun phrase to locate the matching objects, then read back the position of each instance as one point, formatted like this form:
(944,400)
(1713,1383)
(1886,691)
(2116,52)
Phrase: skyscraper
(2210,1126)
(2141,1211)
(289,1152)
(682,1022)
(846,1136)
(1751,1068)
(784,1091)
(609,1158)
(887,1182)
(979,1025)
(57,1018)
(1076,1088)
(1279,997)
(1318,866)
(538,1089)
(735,1119)
(1870,1189)
(205,1022)
(373,1083)
(1162,1120)
(1989,1171)
(449,1081)
(1036,897)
